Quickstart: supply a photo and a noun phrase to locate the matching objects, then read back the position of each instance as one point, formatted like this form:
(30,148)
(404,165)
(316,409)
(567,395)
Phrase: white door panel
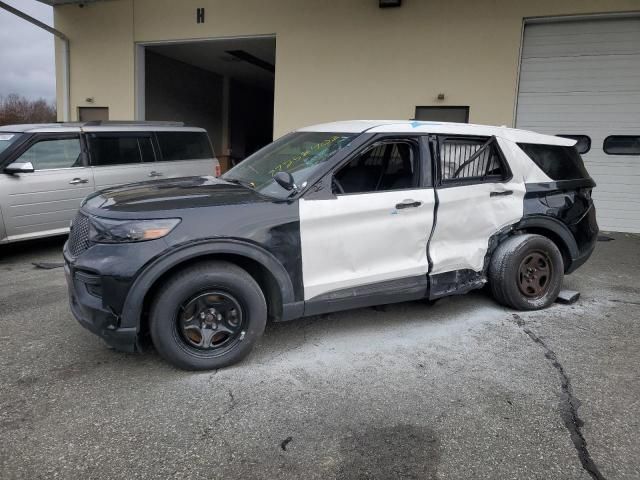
(361,239)
(113,175)
(467,216)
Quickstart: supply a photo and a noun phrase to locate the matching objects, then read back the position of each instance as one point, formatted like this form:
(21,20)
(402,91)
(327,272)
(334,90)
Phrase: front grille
(79,235)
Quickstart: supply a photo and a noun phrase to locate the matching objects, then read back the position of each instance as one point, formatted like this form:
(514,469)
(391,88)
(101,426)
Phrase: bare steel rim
(211,322)
(535,274)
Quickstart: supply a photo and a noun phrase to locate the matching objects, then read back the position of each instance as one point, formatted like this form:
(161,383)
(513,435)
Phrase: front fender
(134,303)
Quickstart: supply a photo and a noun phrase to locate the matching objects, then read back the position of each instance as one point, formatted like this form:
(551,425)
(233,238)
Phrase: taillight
(217,171)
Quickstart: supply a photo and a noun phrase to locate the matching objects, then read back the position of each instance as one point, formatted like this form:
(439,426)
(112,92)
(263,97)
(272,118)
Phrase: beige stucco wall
(335,59)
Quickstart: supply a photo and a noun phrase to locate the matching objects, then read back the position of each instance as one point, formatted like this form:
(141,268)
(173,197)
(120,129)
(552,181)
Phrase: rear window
(184,145)
(558,162)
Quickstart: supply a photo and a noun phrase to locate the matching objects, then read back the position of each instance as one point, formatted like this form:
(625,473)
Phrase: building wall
(334,59)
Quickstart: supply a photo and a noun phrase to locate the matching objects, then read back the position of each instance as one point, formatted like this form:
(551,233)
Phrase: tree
(18,109)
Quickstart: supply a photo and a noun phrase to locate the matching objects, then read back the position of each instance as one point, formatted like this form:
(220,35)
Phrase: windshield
(7,139)
(299,153)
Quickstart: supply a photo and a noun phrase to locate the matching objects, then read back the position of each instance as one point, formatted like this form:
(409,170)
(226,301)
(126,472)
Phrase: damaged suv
(327,218)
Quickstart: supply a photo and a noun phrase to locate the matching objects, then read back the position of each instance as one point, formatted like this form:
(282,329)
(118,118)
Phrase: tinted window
(384,167)
(184,145)
(470,159)
(48,154)
(622,145)
(583,142)
(118,150)
(558,162)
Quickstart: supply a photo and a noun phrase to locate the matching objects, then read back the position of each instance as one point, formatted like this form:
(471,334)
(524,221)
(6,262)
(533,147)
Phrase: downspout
(66,87)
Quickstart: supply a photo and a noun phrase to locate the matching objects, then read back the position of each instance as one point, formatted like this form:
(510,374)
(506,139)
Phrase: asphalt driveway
(457,390)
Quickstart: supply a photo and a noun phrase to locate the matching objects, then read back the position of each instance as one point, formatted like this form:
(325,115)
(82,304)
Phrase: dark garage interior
(225,86)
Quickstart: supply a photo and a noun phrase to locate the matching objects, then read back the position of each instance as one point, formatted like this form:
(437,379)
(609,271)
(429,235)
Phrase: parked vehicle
(330,217)
(47,169)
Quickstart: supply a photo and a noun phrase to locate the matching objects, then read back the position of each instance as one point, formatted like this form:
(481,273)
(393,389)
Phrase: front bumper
(89,311)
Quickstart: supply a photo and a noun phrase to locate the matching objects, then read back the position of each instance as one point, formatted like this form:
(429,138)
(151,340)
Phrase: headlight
(102,230)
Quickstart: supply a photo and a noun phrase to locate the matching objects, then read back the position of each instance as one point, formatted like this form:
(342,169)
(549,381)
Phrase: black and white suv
(329,217)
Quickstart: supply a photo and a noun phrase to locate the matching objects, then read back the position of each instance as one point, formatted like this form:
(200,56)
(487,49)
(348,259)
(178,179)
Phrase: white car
(47,169)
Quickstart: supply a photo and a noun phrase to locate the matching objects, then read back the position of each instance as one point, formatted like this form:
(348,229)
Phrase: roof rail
(109,123)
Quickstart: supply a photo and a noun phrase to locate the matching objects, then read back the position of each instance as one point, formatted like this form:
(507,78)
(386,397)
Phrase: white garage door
(583,78)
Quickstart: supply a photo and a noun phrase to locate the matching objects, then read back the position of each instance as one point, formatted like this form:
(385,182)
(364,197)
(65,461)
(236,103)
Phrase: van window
(114,149)
(53,153)
(558,162)
(184,145)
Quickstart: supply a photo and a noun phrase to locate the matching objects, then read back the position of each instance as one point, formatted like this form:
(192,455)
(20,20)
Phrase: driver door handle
(76,181)
(408,204)
(156,174)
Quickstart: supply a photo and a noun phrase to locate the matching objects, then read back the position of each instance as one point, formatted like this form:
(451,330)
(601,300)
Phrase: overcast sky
(26,52)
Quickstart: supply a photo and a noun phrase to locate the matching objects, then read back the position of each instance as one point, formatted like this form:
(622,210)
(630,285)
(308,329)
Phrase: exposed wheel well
(555,238)
(265,279)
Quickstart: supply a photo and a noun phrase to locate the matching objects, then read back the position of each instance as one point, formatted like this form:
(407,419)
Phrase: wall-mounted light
(440,96)
(389,3)
(89,100)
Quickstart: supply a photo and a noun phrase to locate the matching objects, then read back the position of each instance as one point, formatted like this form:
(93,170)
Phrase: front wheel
(526,272)
(207,316)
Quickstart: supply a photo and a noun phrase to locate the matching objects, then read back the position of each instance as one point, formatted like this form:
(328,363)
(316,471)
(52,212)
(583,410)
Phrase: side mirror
(19,167)
(285,180)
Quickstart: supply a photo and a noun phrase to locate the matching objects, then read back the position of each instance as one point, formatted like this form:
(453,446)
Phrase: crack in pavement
(569,404)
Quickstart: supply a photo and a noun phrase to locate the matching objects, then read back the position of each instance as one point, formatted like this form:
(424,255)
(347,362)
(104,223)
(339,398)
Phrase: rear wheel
(526,272)
(208,316)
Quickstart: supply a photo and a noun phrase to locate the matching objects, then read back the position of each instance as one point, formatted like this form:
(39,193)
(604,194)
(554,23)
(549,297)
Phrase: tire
(207,316)
(526,272)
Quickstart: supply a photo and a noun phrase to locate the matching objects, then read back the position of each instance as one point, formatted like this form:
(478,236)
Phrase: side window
(184,146)
(110,149)
(558,162)
(54,153)
(470,159)
(382,167)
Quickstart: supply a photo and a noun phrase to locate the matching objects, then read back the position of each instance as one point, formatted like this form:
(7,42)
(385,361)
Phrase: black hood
(165,196)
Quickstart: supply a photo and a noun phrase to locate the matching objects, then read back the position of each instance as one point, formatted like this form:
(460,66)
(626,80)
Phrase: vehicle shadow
(36,248)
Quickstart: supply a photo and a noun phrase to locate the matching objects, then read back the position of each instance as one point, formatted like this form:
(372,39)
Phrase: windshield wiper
(240,182)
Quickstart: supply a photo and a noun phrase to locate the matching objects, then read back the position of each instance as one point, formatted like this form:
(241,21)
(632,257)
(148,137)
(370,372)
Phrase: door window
(471,160)
(383,167)
(53,153)
(119,150)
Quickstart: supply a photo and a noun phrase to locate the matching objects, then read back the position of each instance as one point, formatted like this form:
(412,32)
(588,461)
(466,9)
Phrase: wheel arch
(268,272)
(554,230)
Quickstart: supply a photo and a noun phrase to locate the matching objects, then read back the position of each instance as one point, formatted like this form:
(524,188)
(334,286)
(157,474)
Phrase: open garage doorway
(222,85)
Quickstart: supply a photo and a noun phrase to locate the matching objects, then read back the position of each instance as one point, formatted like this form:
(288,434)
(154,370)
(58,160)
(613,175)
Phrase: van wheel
(207,316)
(526,272)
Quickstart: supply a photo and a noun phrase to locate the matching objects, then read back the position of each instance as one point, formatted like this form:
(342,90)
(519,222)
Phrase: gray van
(47,169)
